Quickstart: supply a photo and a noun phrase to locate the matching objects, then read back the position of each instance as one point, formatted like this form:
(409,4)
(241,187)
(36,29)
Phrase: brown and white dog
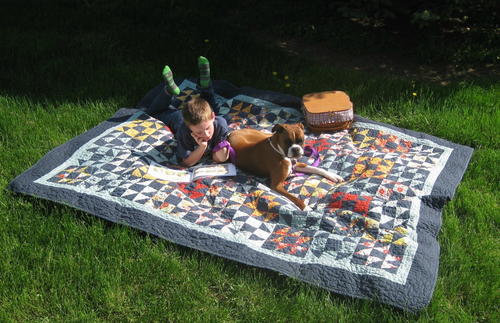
(271,155)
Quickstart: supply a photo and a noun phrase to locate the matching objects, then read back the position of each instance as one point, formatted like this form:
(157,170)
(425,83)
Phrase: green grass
(63,73)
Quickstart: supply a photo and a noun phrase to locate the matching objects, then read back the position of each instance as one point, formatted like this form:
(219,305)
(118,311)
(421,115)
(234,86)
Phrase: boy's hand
(198,153)
(199,140)
(221,156)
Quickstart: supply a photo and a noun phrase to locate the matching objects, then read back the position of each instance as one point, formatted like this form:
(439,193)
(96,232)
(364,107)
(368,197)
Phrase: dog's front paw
(334,177)
(337,179)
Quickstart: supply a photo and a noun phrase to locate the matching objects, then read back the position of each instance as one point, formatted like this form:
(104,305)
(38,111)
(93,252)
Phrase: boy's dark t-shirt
(186,143)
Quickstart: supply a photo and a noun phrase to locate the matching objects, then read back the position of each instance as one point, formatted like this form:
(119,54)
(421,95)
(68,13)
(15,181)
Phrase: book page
(214,171)
(169,174)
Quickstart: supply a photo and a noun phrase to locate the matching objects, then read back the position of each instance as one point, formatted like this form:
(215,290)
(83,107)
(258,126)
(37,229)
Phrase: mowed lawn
(69,66)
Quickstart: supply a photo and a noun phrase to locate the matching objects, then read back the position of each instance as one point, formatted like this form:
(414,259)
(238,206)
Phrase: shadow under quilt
(372,236)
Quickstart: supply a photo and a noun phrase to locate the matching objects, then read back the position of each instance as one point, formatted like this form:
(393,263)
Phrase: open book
(191,174)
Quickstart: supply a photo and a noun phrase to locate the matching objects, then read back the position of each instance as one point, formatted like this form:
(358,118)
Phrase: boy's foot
(204,67)
(171,87)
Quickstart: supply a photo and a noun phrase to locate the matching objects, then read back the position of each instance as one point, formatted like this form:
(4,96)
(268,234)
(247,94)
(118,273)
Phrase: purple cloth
(226,144)
(309,152)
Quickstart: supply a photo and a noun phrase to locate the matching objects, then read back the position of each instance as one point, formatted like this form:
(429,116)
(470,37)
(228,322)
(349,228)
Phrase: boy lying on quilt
(196,127)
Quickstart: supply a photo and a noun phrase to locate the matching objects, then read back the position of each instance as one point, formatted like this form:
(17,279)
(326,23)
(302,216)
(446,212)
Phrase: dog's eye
(299,142)
(288,142)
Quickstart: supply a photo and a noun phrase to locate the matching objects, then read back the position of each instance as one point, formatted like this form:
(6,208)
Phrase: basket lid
(326,101)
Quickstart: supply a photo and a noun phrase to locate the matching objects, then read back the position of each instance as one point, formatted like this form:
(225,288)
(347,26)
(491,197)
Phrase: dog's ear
(301,126)
(277,128)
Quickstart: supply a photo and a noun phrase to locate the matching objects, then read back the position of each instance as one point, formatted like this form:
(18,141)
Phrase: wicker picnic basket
(327,111)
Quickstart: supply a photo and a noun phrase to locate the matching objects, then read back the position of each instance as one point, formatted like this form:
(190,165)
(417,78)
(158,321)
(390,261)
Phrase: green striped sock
(171,87)
(204,67)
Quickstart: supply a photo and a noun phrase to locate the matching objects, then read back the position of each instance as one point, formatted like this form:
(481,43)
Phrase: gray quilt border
(413,296)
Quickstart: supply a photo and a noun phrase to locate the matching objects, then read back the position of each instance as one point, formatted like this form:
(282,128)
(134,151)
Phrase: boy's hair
(196,111)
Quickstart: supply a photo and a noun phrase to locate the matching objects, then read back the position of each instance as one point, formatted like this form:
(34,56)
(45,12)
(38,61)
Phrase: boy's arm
(221,155)
(195,155)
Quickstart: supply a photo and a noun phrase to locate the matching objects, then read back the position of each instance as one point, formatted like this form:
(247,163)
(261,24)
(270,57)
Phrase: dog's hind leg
(277,185)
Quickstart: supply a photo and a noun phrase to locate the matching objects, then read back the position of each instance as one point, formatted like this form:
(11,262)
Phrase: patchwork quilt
(372,236)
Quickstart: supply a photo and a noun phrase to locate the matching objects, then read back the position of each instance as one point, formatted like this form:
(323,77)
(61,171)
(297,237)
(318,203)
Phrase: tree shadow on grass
(69,51)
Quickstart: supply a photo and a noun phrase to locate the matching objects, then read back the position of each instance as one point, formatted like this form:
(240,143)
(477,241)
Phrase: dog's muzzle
(295,151)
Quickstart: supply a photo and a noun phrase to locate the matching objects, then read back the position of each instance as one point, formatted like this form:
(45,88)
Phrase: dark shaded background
(69,49)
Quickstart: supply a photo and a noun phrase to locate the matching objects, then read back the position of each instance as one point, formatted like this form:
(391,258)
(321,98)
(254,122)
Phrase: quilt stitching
(379,167)
(380,164)
(366,225)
